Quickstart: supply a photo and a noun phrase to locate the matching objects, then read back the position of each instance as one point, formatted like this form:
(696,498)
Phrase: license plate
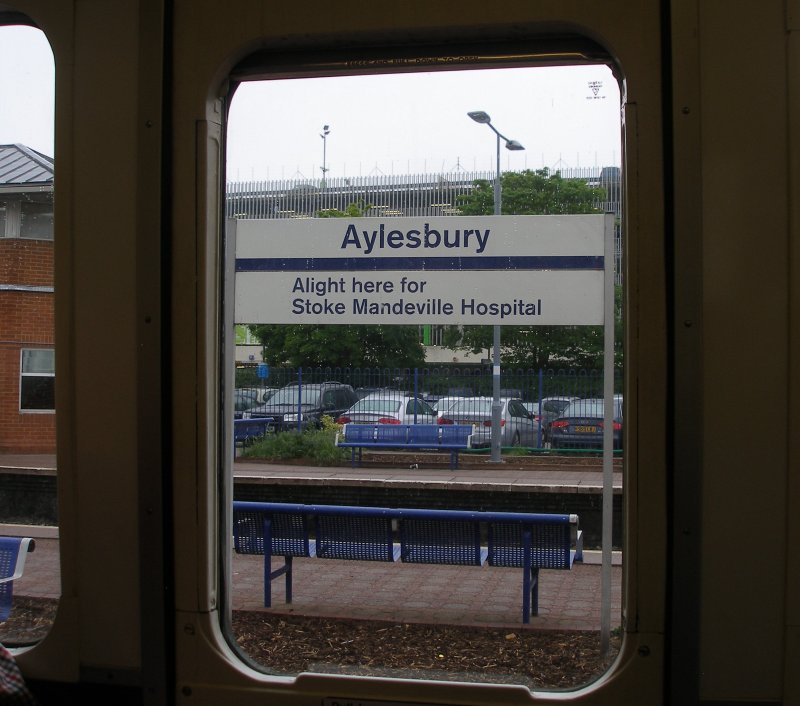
(585,429)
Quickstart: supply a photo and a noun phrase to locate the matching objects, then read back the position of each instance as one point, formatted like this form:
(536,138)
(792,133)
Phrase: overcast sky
(390,124)
(412,123)
(26,89)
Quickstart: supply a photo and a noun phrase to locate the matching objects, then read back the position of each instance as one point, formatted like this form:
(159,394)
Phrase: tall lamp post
(480,116)
(326,129)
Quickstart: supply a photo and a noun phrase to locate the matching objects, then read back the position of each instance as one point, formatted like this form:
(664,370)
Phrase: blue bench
(436,437)
(530,541)
(13,551)
(246,430)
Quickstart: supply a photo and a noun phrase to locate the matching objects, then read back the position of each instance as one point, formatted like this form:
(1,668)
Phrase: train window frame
(335,65)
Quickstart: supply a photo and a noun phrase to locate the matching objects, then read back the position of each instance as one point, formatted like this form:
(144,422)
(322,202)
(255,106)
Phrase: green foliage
(353,210)
(544,346)
(314,445)
(340,345)
(247,377)
(328,424)
(533,193)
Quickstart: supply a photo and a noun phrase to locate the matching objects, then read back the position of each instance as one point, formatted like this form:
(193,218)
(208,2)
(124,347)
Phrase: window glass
(36,220)
(408,163)
(27,315)
(37,380)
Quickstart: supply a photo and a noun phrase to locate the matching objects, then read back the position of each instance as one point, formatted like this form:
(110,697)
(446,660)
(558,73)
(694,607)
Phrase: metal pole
(497,407)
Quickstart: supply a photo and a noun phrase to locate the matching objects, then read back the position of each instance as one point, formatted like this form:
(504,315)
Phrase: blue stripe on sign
(344,264)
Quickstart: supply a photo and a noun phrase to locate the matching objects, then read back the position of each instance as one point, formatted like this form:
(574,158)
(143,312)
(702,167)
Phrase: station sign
(520,270)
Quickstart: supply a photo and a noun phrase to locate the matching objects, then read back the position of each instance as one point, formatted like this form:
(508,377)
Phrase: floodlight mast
(326,129)
(483,118)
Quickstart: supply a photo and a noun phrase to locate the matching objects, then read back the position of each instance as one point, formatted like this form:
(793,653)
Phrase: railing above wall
(385,195)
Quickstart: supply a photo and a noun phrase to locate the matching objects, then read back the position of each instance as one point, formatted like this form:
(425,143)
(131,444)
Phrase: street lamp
(480,116)
(324,135)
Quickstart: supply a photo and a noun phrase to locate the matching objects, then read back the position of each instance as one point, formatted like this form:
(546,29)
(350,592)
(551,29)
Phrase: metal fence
(430,383)
(387,195)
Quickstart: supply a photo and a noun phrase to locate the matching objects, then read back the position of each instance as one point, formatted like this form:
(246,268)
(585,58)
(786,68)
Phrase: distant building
(27,336)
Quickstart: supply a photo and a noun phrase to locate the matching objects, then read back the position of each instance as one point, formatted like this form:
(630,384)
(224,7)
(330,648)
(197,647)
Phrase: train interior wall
(712,126)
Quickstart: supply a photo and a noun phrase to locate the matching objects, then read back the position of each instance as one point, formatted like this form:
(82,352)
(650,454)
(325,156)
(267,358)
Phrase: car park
(302,406)
(582,424)
(244,399)
(552,407)
(518,427)
(389,408)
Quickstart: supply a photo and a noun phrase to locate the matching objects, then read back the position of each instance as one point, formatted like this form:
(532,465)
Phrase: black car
(581,425)
(303,405)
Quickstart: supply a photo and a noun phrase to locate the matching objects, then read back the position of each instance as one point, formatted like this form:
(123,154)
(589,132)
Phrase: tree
(340,345)
(543,346)
(537,193)
(534,193)
(353,210)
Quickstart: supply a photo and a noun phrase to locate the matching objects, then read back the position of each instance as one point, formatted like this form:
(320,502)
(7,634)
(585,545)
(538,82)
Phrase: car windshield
(378,404)
(291,395)
(483,406)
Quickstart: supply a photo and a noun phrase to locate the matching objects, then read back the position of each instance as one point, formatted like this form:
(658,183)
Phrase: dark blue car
(582,423)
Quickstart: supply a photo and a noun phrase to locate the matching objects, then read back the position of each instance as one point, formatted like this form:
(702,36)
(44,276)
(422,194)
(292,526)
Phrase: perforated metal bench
(530,541)
(245,430)
(436,437)
(13,551)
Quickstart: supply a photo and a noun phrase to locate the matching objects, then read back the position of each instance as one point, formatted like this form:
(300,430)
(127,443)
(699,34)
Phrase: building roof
(22,165)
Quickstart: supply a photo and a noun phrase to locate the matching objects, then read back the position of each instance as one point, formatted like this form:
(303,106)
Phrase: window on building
(36,219)
(37,380)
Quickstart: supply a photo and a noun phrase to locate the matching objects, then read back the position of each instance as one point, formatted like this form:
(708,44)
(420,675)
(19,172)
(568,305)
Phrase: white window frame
(23,374)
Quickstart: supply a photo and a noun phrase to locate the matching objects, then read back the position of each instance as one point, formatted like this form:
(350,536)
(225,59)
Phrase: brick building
(27,353)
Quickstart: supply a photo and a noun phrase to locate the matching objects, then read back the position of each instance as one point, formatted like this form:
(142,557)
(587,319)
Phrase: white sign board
(521,270)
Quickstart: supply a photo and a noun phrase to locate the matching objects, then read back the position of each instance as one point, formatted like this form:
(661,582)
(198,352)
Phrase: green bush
(315,445)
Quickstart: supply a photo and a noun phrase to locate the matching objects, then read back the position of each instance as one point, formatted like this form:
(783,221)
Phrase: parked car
(264,393)
(552,407)
(362,392)
(517,425)
(533,408)
(304,405)
(582,423)
(244,399)
(389,408)
(443,404)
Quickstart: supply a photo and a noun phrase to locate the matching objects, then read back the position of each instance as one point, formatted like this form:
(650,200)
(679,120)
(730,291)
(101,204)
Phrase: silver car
(389,408)
(518,426)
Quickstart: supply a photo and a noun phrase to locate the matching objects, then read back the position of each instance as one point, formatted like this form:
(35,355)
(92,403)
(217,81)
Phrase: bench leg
(530,579)
(270,575)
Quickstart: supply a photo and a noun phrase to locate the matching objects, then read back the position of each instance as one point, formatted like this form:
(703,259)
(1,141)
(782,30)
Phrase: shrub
(315,445)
